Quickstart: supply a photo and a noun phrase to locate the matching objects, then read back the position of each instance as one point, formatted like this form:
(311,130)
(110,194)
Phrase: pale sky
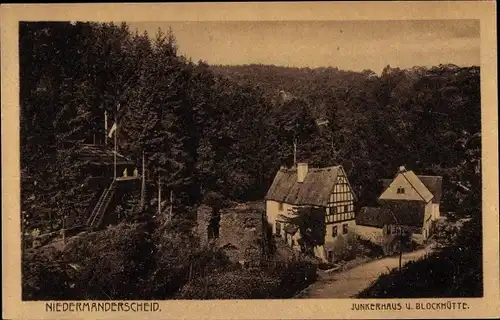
(348,45)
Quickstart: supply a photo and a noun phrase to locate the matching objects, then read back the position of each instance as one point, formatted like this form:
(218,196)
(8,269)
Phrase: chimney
(301,171)
(402,169)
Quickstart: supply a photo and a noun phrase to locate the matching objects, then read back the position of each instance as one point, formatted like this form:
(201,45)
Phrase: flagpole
(143,186)
(159,195)
(105,127)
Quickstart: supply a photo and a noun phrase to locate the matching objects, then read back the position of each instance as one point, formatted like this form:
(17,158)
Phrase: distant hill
(317,86)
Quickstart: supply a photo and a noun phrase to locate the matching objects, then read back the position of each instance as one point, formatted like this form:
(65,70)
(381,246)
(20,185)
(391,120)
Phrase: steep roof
(315,190)
(418,185)
(434,184)
(408,213)
(373,217)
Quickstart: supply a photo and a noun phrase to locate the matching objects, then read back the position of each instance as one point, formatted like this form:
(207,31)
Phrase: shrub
(455,271)
(351,247)
(234,284)
(293,277)
(43,278)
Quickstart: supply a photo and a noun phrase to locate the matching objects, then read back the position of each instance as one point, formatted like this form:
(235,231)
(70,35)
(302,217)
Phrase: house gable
(340,205)
(406,186)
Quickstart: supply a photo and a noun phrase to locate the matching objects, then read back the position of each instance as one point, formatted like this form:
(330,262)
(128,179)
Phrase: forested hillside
(223,129)
(428,119)
(219,130)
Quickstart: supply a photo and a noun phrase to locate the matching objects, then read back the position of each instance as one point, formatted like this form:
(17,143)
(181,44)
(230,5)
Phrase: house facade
(326,190)
(408,202)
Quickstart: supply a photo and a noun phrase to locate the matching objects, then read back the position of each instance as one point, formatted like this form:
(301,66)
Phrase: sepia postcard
(302,160)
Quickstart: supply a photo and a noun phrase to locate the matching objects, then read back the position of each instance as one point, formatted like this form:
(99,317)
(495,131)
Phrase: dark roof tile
(408,213)
(315,190)
(434,184)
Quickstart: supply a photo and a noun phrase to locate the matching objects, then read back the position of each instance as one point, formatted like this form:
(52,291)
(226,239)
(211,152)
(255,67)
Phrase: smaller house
(408,202)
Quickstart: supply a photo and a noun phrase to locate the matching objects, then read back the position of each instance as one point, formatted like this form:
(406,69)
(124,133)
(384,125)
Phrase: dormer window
(401,190)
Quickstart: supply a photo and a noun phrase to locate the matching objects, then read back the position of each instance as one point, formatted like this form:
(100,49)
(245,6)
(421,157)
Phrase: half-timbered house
(325,189)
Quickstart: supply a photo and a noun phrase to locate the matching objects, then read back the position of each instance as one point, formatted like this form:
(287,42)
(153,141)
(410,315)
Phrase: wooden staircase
(96,217)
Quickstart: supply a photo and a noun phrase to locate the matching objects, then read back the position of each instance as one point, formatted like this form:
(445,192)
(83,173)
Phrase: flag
(113,129)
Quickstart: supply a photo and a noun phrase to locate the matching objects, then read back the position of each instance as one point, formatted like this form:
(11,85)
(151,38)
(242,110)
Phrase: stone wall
(203,218)
(240,232)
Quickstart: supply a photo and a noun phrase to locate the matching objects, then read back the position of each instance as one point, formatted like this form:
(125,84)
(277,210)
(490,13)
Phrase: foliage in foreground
(455,271)
(276,281)
(151,260)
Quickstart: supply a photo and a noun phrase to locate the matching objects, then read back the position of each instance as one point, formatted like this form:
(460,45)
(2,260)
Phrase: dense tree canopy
(218,133)
(227,129)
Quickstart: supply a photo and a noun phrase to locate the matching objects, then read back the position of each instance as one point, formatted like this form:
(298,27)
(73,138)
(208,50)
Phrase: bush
(293,277)
(277,280)
(455,271)
(351,247)
(114,262)
(235,284)
(43,278)
(110,264)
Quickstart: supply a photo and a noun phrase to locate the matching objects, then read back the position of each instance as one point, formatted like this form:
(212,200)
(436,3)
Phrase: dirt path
(348,283)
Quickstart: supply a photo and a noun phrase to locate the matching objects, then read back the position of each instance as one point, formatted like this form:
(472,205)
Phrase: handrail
(98,212)
(96,207)
(99,206)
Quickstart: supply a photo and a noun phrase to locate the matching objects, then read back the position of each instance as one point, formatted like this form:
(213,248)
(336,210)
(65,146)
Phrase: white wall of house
(372,234)
(417,237)
(435,211)
(330,238)
(319,252)
(273,211)
(292,240)
(429,217)
(334,242)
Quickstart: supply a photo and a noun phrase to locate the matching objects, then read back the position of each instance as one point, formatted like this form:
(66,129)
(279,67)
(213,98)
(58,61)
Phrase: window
(344,228)
(346,208)
(280,206)
(329,255)
(278,228)
(401,190)
(334,231)
(389,230)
